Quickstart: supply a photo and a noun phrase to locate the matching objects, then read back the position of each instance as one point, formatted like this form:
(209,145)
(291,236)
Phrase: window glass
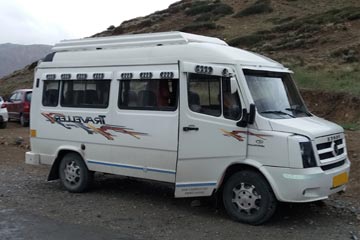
(231,99)
(151,94)
(28,96)
(87,93)
(204,94)
(51,93)
(14,97)
(275,94)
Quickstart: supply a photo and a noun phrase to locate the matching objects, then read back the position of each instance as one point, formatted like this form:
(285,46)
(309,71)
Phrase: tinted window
(87,93)
(14,97)
(231,99)
(28,96)
(207,97)
(51,93)
(204,94)
(152,94)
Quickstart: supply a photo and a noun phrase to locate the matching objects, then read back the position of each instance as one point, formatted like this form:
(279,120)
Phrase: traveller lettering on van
(236,134)
(70,122)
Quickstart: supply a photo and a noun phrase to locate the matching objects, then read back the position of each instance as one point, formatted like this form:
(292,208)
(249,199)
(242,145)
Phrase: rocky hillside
(14,56)
(316,36)
(313,32)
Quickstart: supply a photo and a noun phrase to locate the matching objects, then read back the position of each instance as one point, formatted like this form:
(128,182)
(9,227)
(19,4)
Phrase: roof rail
(134,40)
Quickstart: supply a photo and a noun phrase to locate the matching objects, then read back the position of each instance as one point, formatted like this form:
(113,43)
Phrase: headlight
(307,154)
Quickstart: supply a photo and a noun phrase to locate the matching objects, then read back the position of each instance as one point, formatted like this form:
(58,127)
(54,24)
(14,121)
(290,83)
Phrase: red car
(18,106)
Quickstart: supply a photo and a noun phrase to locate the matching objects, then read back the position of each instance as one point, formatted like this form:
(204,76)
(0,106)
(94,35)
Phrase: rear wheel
(23,122)
(3,125)
(248,198)
(74,174)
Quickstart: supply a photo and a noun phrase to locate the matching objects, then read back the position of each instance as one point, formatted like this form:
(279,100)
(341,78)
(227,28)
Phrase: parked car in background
(18,106)
(3,113)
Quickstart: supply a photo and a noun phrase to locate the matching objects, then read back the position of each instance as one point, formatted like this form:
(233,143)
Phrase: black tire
(3,125)
(248,198)
(22,121)
(74,174)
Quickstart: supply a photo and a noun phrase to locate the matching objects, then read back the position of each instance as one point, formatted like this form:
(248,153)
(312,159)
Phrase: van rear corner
(32,158)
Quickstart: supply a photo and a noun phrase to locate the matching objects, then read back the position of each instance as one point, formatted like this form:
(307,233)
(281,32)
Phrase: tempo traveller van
(188,110)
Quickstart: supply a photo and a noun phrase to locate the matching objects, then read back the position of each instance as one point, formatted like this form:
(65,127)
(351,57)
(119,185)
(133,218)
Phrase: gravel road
(126,208)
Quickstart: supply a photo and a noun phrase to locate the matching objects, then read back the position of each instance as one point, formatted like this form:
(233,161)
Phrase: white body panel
(153,144)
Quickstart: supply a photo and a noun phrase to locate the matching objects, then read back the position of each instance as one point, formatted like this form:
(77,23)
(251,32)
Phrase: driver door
(209,139)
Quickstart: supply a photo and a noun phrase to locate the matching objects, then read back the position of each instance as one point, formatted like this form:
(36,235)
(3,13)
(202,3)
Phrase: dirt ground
(126,208)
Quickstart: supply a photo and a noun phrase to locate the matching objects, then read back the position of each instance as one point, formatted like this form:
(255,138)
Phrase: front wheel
(248,198)
(74,174)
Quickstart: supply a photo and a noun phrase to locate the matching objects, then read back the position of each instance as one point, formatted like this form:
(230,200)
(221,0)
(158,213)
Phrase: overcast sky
(49,21)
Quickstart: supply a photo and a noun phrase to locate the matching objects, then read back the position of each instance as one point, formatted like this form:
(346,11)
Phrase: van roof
(150,48)
(134,40)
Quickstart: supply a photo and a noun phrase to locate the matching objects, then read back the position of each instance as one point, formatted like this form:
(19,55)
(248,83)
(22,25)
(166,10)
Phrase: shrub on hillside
(216,8)
(259,7)
(198,26)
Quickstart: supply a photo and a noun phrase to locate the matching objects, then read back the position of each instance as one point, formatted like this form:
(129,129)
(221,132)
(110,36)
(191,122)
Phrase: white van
(188,110)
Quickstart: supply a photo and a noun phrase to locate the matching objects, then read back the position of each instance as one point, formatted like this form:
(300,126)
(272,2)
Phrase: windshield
(275,94)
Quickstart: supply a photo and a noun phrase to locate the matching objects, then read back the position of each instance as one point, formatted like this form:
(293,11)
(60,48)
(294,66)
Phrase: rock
(19,140)
(353,236)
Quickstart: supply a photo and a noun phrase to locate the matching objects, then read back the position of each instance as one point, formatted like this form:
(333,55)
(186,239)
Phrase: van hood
(311,127)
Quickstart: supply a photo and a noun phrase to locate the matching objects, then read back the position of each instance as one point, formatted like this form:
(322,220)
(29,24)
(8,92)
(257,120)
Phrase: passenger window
(86,94)
(231,99)
(51,93)
(204,94)
(28,96)
(152,94)
(14,97)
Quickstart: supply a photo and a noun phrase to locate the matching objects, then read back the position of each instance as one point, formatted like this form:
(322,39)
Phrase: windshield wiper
(298,110)
(278,112)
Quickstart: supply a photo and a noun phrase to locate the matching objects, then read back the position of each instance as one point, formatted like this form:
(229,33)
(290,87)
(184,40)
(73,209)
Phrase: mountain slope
(15,56)
(287,30)
(317,38)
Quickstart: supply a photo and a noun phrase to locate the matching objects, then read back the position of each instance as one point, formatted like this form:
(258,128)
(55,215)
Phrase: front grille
(333,165)
(330,149)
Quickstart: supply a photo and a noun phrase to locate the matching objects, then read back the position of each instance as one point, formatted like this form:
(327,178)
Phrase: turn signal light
(32,133)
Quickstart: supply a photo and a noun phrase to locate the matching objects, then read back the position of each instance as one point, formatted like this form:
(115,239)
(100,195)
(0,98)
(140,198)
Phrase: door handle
(190,128)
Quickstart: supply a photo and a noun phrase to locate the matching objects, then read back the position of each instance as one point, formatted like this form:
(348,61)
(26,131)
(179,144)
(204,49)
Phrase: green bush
(209,7)
(249,40)
(259,7)
(198,26)
(314,20)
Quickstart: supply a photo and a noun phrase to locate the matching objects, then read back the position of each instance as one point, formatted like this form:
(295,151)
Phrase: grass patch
(334,80)
(259,7)
(350,126)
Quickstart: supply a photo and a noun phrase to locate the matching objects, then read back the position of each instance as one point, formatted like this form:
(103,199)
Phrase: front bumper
(305,185)
(3,117)
(32,158)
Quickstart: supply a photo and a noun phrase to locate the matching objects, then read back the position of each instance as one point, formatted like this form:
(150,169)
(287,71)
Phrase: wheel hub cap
(72,172)
(246,198)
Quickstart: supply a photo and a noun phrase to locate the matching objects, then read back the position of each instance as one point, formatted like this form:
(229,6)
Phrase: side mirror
(251,117)
(244,119)
(247,118)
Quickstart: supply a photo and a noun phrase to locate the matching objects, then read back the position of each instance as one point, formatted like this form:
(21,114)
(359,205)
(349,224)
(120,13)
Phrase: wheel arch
(247,165)
(54,171)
